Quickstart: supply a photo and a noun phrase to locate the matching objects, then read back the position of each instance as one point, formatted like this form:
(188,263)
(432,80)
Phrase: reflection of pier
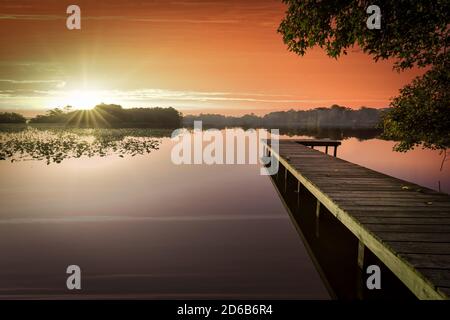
(352,217)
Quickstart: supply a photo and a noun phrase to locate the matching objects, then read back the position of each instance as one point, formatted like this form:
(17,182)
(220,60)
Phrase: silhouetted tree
(333,117)
(51,116)
(155,117)
(422,113)
(12,117)
(113,115)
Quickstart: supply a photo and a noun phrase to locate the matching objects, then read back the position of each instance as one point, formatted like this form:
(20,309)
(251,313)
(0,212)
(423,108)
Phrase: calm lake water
(142,227)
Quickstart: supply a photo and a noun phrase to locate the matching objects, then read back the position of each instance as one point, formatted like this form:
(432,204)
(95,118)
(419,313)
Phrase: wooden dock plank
(435,228)
(400,214)
(434,261)
(442,279)
(380,207)
(444,291)
(405,221)
(414,236)
(406,225)
(420,247)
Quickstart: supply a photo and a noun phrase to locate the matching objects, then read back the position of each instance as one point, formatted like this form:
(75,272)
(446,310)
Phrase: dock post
(326,149)
(317,217)
(360,271)
(285,179)
(335,151)
(360,254)
(318,208)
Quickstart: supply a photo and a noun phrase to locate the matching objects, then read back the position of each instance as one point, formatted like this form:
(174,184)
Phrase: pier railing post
(317,217)
(285,179)
(360,254)
(360,271)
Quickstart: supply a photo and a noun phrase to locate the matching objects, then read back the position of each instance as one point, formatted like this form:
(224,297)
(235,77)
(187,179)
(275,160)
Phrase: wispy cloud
(36,17)
(189,100)
(117,18)
(57,83)
(20,87)
(202,96)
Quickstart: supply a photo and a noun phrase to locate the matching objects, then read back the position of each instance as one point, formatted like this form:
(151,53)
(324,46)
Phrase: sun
(83,99)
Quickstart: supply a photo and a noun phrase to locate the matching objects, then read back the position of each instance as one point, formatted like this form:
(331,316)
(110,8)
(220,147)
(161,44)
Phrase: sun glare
(83,99)
(79,99)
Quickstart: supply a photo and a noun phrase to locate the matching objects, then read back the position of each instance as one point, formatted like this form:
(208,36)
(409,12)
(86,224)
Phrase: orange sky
(197,56)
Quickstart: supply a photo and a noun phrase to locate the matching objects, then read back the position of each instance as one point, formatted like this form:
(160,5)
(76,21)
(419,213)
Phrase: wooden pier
(404,225)
(321,143)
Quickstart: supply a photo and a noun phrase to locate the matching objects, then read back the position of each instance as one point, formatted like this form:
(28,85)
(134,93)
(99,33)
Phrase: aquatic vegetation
(53,145)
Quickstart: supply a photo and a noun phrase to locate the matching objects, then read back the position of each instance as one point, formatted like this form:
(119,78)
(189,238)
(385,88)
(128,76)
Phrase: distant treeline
(333,117)
(12,117)
(112,115)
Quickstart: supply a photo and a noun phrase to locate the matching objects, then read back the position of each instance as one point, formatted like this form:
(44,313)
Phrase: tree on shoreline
(413,33)
(12,117)
(334,116)
(112,115)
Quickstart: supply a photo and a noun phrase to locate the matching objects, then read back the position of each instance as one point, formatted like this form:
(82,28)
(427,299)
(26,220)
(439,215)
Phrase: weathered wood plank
(381,207)
(433,261)
(406,193)
(401,214)
(420,247)
(441,279)
(409,203)
(413,236)
(409,228)
(444,291)
(405,220)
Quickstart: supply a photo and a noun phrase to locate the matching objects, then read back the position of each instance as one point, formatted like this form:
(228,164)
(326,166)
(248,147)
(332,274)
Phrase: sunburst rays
(93,118)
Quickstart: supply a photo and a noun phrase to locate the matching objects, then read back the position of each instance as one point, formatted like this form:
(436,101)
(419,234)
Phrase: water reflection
(56,144)
(142,227)
(362,147)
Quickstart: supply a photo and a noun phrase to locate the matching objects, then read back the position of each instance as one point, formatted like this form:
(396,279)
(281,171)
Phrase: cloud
(202,96)
(37,17)
(24,98)
(16,85)
(58,82)
(116,18)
